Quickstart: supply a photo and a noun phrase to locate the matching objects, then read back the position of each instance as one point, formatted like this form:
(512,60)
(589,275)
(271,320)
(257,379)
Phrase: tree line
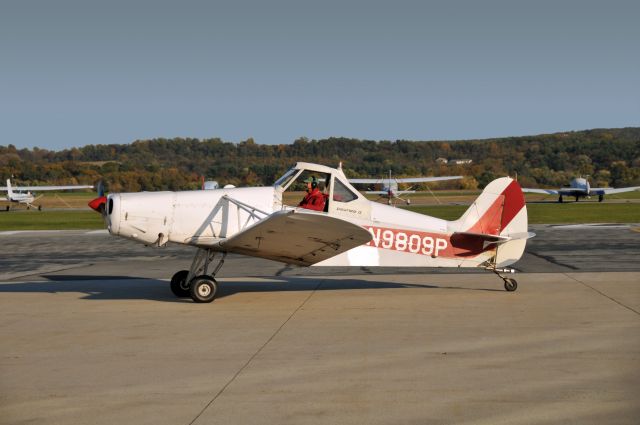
(610,156)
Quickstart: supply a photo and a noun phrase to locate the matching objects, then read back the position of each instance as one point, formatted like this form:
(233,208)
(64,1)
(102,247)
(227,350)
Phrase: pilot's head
(312,184)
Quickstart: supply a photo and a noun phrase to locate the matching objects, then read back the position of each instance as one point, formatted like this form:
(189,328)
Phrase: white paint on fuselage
(580,184)
(196,217)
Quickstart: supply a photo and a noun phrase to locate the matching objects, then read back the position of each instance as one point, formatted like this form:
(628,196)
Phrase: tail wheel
(179,284)
(203,289)
(510,284)
(600,198)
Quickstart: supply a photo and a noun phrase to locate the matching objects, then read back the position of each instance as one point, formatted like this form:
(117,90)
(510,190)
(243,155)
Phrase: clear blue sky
(84,72)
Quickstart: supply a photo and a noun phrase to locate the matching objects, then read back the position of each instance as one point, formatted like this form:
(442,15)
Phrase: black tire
(179,285)
(560,199)
(203,289)
(39,207)
(510,284)
(600,198)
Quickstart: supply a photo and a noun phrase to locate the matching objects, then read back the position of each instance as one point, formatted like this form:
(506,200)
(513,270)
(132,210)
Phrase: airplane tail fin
(9,190)
(499,217)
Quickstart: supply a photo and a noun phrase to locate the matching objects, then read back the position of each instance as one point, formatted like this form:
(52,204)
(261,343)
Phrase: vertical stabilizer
(9,190)
(500,210)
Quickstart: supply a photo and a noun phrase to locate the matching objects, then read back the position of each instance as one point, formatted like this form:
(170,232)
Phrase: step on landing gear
(197,282)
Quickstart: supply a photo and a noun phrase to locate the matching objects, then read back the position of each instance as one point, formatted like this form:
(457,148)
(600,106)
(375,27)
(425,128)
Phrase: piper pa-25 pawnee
(580,188)
(26,194)
(345,230)
(389,185)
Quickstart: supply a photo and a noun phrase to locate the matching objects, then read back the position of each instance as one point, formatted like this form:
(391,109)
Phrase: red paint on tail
(498,216)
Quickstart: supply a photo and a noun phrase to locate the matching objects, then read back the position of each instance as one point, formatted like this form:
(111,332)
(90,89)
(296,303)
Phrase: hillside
(610,156)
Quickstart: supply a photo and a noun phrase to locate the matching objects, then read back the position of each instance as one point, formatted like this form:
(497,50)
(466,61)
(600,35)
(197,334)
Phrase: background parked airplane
(26,194)
(389,185)
(580,188)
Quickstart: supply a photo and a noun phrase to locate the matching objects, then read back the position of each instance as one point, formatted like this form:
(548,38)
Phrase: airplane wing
(44,188)
(611,190)
(427,179)
(367,181)
(297,237)
(543,191)
(405,180)
(376,192)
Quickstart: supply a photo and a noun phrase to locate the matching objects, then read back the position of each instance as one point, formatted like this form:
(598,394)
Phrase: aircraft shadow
(135,288)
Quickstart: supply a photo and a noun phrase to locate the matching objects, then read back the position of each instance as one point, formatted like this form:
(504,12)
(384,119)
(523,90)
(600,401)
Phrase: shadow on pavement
(132,288)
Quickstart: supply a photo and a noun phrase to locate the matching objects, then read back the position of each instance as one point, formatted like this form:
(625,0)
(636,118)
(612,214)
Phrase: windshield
(286,178)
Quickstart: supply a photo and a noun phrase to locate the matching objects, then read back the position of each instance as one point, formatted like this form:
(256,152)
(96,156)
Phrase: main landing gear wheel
(179,285)
(510,284)
(203,289)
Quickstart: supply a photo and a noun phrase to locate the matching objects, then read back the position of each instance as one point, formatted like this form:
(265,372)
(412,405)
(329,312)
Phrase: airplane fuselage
(206,218)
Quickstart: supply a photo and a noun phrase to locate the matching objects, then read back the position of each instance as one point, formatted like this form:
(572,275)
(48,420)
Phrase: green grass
(50,220)
(553,213)
(538,213)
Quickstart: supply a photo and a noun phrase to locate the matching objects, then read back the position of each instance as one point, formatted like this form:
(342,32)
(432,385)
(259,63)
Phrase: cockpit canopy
(331,182)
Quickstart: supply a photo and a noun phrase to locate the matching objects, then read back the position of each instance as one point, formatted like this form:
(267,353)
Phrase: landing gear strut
(197,282)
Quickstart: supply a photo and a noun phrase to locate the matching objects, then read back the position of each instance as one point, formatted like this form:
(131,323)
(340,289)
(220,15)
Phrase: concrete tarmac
(90,333)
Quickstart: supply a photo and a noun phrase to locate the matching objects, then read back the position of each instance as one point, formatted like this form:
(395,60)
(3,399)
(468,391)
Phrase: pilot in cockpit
(314,199)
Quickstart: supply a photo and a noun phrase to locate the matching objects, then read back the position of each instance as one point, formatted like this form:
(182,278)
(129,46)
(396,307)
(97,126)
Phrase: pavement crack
(604,295)
(248,362)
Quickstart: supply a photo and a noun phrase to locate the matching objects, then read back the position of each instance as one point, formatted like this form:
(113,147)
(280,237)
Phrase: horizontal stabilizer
(463,238)
(297,237)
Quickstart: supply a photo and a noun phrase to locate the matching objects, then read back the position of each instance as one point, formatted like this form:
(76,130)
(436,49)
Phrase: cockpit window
(341,193)
(306,189)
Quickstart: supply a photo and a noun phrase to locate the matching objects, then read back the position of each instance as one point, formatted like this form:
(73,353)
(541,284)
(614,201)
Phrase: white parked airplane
(389,185)
(26,194)
(348,230)
(580,188)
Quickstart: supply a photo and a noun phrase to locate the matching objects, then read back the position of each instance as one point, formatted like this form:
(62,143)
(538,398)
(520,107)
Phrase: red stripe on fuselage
(426,243)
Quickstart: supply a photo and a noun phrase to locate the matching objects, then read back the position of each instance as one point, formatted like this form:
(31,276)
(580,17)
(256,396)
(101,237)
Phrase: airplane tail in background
(9,190)
(498,217)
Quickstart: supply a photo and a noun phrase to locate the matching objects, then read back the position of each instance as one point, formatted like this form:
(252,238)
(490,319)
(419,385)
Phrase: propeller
(99,204)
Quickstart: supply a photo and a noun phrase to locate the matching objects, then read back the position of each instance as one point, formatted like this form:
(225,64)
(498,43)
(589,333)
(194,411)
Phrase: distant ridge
(609,156)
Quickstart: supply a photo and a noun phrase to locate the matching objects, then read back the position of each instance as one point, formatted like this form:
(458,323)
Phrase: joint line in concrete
(219,393)
(603,294)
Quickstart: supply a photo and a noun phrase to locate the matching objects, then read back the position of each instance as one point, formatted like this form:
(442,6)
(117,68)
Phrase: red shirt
(313,200)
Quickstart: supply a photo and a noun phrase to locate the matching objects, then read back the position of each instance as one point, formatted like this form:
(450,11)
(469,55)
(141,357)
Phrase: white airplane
(390,185)
(580,188)
(345,229)
(26,195)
